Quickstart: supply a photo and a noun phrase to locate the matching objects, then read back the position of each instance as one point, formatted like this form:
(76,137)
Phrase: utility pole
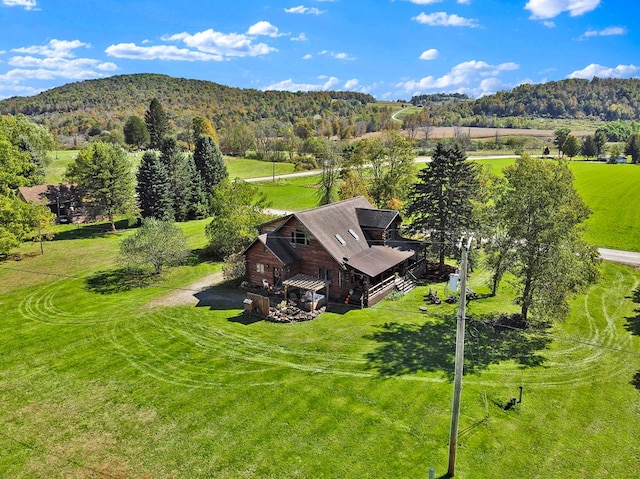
(457,382)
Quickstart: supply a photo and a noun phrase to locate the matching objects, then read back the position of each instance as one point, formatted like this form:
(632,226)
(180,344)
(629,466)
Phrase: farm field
(96,381)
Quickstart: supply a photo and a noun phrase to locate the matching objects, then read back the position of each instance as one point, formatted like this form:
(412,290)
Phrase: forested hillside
(92,106)
(604,99)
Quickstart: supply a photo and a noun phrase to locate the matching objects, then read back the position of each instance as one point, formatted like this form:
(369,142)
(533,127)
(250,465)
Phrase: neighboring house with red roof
(351,249)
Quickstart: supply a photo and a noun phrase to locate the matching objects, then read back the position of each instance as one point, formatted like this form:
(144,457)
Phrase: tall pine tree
(157,124)
(154,188)
(209,162)
(440,203)
(176,163)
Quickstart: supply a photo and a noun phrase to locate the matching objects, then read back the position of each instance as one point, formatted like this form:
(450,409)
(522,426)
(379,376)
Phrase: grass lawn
(96,382)
(244,168)
(611,192)
(237,167)
(292,194)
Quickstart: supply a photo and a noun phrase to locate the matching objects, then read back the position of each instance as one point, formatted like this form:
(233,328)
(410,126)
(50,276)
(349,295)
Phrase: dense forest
(92,106)
(603,99)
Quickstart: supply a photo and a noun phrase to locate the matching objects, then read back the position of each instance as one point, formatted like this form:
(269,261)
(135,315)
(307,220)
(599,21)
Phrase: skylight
(340,239)
(354,234)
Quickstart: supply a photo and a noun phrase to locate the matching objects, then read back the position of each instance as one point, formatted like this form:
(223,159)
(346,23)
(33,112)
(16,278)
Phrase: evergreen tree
(176,164)
(440,203)
(209,162)
(632,147)
(154,188)
(197,195)
(105,182)
(157,124)
(589,147)
(600,139)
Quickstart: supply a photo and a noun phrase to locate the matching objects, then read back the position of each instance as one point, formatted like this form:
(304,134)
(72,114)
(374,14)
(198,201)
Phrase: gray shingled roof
(279,247)
(378,259)
(325,222)
(379,219)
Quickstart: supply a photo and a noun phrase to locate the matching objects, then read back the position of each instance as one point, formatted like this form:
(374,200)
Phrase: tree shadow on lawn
(119,280)
(90,230)
(633,323)
(636,380)
(430,347)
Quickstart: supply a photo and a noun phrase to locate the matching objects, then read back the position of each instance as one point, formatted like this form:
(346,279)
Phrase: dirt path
(200,293)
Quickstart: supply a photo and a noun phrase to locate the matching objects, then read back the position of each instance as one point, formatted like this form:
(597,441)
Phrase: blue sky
(392,49)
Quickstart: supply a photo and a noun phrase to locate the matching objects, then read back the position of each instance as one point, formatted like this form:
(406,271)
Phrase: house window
(260,267)
(324,274)
(299,237)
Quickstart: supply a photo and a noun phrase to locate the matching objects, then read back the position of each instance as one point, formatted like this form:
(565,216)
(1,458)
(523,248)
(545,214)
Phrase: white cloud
(27,4)
(549,24)
(464,2)
(443,19)
(54,60)
(544,9)
(55,48)
(621,71)
(159,52)
(300,38)
(462,77)
(351,84)
(224,44)
(430,54)
(425,2)
(308,56)
(289,85)
(302,10)
(264,28)
(605,32)
(337,56)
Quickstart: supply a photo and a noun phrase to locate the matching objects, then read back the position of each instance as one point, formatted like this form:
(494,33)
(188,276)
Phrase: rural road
(419,159)
(617,256)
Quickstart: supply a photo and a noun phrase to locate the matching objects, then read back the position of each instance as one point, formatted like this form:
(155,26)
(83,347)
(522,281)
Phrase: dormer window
(299,237)
(354,234)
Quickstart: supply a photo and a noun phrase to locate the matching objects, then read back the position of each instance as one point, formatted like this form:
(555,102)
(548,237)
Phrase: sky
(391,49)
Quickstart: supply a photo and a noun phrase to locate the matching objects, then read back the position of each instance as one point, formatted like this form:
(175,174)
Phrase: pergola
(307,283)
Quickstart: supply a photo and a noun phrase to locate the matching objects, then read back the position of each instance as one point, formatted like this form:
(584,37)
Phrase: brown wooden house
(61,199)
(350,249)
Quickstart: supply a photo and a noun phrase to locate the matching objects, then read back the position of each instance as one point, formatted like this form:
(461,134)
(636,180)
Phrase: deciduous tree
(542,213)
(237,209)
(156,243)
(135,132)
(571,146)
(559,137)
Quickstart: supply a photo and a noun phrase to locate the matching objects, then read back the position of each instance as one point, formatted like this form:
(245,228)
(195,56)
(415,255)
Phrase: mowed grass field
(611,191)
(97,381)
(237,167)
